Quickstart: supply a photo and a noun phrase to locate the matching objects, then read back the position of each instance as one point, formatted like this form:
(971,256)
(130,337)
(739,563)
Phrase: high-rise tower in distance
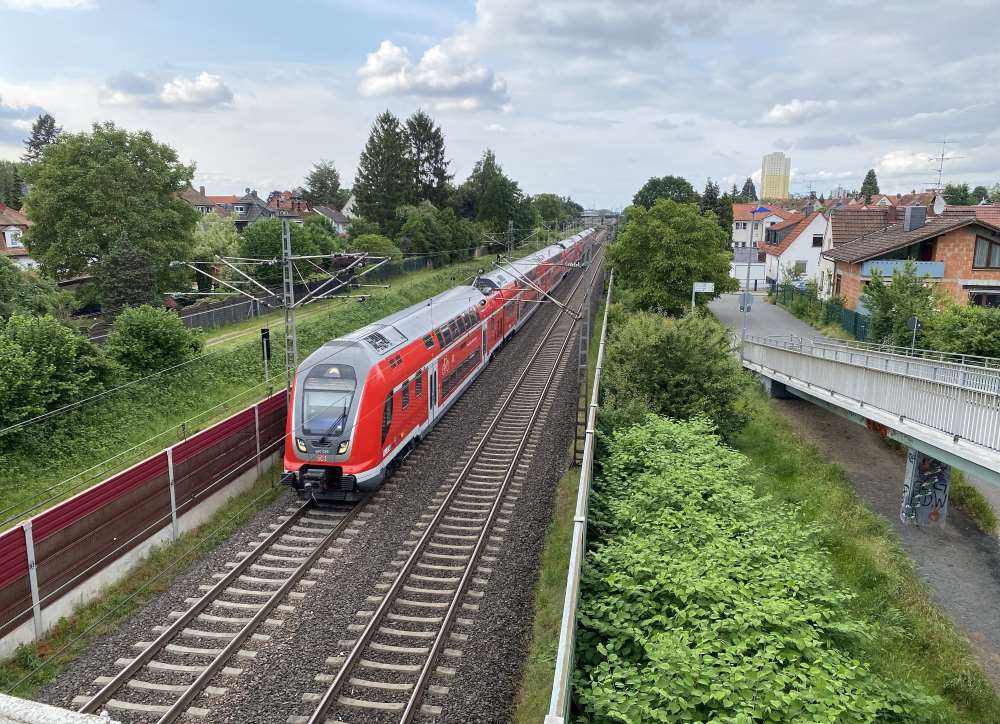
(775,173)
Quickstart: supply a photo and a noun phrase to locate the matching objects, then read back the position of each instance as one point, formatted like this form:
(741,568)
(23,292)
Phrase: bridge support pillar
(774,389)
(925,490)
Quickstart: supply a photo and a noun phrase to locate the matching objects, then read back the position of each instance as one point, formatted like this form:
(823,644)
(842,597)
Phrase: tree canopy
(749,192)
(323,186)
(430,166)
(125,276)
(262,240)
(674,188)
(492,198)
(663,250)
(44,132)
(10,184)
(869,187)
(958,194)
(27,292)
(890,305)
(385,178)
(92,189)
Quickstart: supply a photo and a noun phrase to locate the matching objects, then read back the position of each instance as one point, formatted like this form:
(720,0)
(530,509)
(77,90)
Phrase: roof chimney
(914,218)
(202,190)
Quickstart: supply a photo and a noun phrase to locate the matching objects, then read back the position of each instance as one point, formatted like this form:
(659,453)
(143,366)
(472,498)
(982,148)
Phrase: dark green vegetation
(869,186)
(77,200)
(147,339)
(10,184)
(911,639)
(662,250)
(35,664)
(946,326)
(708,600)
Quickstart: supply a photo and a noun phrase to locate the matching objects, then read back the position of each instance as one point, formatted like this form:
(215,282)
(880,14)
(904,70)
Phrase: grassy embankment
(550,588)
(38,663)
(52,460)
(913,639)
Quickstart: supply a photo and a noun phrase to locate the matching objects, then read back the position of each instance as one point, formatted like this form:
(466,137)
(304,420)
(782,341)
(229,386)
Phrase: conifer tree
(385,178)
(869,186)
(429,163)
(44,131)
(749,192)
(322,185)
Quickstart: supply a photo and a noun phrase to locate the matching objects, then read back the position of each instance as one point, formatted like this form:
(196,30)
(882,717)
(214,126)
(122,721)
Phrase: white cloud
(796,111)
(496,128)
(904,162)
(47,4)
(158,90)
(443,73)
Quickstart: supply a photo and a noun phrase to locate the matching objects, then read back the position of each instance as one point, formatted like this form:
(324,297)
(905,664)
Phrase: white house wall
(800,250)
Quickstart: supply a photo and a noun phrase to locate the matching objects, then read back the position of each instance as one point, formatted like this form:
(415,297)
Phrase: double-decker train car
(362,401)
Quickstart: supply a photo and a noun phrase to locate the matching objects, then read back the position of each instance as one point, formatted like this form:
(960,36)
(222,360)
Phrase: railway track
(408,644)
(200,649)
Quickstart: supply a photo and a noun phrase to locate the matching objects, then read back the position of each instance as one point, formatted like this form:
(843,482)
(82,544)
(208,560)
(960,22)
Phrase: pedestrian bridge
(944,406)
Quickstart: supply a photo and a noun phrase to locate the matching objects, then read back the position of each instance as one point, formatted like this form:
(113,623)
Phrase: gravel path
(960,563)
(272,683)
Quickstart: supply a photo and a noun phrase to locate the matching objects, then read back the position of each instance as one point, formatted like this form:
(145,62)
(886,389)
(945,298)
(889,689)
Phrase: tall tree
(493,198)
(126,277)
(980,193)
(721,206)
(44,132)
(322,185)
(10,184)
(92,189)
(430,166)
(734,193)
(958,194)
(385,174)
(674,188)
(663,250)
(749,192)
(869,186)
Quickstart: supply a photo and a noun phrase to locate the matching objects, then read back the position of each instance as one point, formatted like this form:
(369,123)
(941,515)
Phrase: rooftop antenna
(938,187)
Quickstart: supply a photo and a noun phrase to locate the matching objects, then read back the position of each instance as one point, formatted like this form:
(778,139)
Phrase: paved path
(959,563)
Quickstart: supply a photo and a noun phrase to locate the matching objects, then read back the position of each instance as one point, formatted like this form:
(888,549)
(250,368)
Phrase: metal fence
(805,304)
(962,401)
(562,679)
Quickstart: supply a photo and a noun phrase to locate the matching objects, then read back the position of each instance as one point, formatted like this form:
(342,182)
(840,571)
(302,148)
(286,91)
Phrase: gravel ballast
(487,678)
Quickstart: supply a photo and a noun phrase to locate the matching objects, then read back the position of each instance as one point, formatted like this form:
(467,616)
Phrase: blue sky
(580,97)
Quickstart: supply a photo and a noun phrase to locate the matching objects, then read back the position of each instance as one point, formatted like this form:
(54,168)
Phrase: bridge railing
(962,401)
(931,355)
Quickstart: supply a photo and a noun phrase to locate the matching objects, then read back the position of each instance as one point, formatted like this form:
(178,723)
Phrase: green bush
(147,339)
(28,292)
(705,601)
(964,329)
(892,304)
(44,364)
(681,368)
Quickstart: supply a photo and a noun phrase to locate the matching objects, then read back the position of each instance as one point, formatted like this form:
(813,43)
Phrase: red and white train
(361,402)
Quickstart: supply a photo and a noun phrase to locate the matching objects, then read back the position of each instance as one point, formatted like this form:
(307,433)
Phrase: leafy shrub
(377,245)
(262,240)
(705,601)
(44,364)
(965,330)
(26,291)
(147,339)
(681,368)
(892,304)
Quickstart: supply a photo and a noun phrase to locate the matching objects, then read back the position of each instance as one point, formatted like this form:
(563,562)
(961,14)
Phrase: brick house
(13,224)
(845,224)
(958,251)
(198,199)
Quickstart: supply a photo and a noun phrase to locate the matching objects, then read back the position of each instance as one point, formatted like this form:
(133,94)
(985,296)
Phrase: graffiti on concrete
(925,490)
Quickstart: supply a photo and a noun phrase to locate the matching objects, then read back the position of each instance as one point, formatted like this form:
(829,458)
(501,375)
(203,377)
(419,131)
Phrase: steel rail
(196,609)
(332,693)
(423,680)
(178,708)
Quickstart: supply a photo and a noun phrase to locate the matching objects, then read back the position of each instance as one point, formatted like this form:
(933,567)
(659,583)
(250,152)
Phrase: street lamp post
(746,290)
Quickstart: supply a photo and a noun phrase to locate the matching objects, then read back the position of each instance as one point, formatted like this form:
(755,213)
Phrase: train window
(406,394)
(386,417)
(428,341)
(327,393)
(418,383)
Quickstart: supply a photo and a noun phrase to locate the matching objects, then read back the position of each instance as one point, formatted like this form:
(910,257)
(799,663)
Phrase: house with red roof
(793,247)
(959,250)
(743,236)
(13,224)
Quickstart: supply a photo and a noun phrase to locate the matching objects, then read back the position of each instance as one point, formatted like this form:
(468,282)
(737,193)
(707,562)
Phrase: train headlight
(300,445)
(342,448)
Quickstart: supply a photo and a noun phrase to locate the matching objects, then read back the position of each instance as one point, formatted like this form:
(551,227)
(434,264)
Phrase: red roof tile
(741,212)
(798,225)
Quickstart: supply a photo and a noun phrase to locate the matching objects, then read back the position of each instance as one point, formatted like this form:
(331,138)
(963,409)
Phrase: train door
(432,389)
(485,344)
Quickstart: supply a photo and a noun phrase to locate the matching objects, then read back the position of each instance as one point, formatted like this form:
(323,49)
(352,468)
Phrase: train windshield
(326,400)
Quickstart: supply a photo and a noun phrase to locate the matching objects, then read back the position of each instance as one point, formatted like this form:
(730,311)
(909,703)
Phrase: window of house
(837,284)
(817,240)
(240,209)
(800,267)
(987,254)
(13,238)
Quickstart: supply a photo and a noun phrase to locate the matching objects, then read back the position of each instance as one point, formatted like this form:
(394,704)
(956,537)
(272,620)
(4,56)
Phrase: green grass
(914,639)
(40,662)
(550,589)
(973,503)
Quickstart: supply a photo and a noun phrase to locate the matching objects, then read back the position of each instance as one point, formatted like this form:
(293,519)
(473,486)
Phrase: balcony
(932,269)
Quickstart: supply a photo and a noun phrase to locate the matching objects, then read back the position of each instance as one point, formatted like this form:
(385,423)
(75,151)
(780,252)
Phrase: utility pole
(288,299)
(510,237)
